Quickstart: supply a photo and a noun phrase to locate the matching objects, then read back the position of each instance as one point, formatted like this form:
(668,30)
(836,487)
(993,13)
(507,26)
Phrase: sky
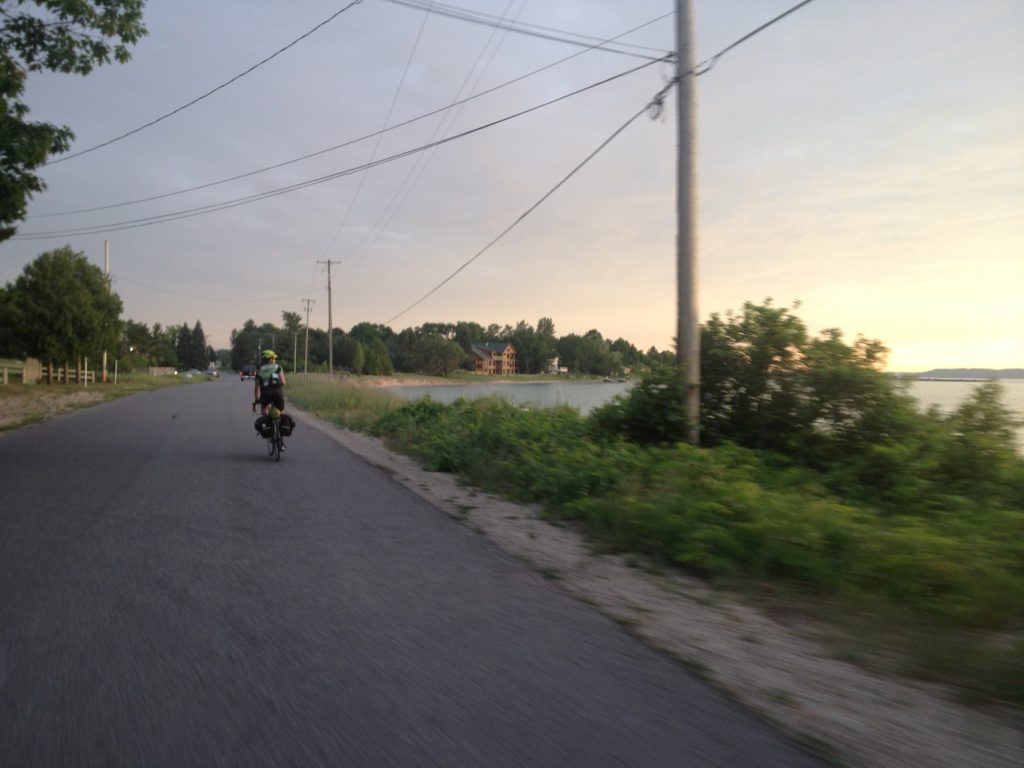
(864,158)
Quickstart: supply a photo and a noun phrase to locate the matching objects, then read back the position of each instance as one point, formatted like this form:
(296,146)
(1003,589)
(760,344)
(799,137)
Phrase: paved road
(171,597)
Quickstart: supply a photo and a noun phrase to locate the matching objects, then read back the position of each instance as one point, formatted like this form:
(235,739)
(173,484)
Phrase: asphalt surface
(170,596)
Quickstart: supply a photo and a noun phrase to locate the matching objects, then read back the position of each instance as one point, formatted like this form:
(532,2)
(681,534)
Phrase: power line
(213,207)
(118,276)
(380,135)
(705,66)
(653,106)
(351,142)
(208,93)
(532,30)
(412,177)
(533,207)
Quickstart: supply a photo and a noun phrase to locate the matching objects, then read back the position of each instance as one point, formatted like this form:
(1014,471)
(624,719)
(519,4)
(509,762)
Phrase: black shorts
(272,396)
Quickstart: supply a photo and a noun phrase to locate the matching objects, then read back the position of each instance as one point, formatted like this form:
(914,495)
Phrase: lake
(585,396)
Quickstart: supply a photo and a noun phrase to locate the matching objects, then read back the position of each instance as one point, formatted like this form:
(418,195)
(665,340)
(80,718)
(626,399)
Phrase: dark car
(248,372)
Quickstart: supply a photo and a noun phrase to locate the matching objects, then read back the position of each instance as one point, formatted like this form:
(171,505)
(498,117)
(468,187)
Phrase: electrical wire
(351,142)
(414,174)
(653,106)
(706,66)
(118,276)
(380,136)
(208,93)
(533,207)
(233,203)
(532,30)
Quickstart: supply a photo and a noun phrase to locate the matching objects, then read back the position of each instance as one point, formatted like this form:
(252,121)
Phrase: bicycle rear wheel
(276,440)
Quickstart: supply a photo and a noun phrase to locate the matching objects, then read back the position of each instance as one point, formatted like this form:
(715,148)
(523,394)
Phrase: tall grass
(341,403)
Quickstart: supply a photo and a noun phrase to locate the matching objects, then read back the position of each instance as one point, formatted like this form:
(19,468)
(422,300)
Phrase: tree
(69,36)
(358,359)
(533,350)
(200,351)
(292,327)
(183,346)
(191,348)
(467,334)
(748,392)
(367,332)
(162,346)
(590,354)
(136,347)
(377,361)
(434,354)
(292,321)
(9,323)
(981,457)
(247,343)
(64,308)
(243,345)
(651,413)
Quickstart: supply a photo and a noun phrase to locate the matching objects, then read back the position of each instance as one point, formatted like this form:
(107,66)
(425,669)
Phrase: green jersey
(269,375)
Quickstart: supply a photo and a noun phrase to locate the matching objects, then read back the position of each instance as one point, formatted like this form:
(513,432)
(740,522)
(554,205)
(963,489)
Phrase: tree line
(63,309)
(435,348)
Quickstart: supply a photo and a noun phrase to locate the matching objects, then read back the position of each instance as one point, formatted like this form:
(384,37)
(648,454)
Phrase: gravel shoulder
(785,672)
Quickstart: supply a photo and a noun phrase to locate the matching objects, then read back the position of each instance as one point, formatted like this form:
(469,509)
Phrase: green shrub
(652,413)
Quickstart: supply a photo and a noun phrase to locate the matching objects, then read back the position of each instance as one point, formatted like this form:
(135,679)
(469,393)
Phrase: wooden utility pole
(106,272)
(309,303)
(330,321)
(688,327)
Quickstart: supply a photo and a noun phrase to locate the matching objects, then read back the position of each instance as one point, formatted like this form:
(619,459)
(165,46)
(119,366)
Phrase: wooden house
(496,358)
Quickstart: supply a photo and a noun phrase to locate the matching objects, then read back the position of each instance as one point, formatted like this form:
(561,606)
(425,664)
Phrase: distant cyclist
(270,383)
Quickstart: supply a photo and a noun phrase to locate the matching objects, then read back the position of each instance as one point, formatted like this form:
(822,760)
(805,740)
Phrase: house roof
(496,347)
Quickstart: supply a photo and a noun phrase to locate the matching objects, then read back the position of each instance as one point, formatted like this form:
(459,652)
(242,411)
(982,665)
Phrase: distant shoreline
(945,378)
(966,374)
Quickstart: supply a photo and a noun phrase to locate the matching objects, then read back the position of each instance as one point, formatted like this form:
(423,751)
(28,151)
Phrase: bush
(653,413)
(530,455)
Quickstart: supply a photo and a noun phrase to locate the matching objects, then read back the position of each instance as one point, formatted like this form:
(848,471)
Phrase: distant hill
(972,373)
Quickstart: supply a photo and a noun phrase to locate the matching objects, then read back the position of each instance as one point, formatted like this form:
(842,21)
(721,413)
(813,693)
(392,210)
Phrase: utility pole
(309,303)
(106,271)
(688,328)
(330,321)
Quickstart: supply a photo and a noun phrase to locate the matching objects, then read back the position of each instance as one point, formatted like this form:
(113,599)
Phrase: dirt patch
(26,405)
(783,671)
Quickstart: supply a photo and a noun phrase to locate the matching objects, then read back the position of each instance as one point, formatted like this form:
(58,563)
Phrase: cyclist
(270,383)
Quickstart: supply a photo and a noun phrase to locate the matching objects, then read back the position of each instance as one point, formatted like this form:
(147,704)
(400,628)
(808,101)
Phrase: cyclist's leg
(278,396)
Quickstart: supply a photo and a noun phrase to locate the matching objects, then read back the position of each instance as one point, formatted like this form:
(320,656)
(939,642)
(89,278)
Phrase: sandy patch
(780,671)
(20,407)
